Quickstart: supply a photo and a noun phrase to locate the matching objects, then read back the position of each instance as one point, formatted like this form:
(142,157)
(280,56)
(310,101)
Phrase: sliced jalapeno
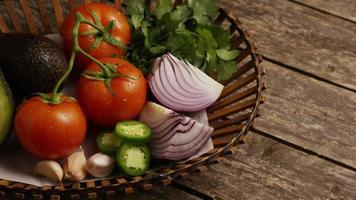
(133,132)
(108,142)
(133,159)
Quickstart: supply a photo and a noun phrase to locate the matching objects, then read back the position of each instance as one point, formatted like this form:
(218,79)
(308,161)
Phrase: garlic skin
(74,166)
(50,169)
(100,165)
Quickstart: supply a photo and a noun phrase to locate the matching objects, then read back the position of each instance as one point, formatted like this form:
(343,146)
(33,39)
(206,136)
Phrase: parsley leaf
(204,8)
(187,31)
(136,11)
(163,7)
(207,36)
(227,68)
(226,54)
(221,36)
(181,14)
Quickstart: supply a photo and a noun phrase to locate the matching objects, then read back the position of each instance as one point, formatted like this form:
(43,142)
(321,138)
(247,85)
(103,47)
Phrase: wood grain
(10,9)
(266,169)
(3,26)
(72,4)
(58,12)
(44,16)
(299,109)
(118,4)
(167,193)
(295,35)
(28,16)
(344,8)
(310,114)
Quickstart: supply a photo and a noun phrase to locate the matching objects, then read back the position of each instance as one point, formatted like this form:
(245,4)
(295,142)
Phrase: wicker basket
(231,116)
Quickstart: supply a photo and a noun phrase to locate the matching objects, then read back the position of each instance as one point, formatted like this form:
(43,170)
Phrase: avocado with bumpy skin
(31,63)
(6,110)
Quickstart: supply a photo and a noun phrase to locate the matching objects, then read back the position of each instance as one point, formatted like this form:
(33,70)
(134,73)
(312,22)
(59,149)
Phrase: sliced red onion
(174,136)
(202,117)
(182,87)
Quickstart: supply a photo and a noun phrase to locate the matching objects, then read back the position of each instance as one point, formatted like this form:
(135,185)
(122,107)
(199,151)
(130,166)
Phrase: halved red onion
(174,136)
(202,117)
(182,87)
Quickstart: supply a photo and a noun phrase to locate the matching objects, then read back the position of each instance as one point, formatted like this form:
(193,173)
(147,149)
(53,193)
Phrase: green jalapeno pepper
(108,142)
(133,132)
(133,159)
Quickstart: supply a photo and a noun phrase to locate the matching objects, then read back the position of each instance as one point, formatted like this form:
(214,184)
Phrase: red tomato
(50,131)
(105,13)
(101,106)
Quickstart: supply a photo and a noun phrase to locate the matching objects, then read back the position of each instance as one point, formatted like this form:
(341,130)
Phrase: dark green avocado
(31,63)
(6,110)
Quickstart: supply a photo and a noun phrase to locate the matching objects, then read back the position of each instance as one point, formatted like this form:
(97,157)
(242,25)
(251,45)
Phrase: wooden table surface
(304,144)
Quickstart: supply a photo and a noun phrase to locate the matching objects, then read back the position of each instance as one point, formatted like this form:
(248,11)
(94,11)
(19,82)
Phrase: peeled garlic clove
(50,169)
(74,166)
(100,165)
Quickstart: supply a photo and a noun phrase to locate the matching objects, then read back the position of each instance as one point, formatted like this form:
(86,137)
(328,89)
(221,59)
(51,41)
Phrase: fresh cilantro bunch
(188,31)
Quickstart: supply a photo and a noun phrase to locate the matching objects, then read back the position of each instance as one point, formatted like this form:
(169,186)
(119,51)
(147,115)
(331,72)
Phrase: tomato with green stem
(50,131)
(51,126)
(111,90)
(104,32)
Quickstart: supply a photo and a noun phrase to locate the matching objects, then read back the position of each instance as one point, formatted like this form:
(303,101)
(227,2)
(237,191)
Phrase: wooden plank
(266,169)
(309,113)
(168,193)
(44,16)
(10,9)
(3,26)
(72,4)
(28,16)
(58,12)
(301,37)
(344,8)
(118,4)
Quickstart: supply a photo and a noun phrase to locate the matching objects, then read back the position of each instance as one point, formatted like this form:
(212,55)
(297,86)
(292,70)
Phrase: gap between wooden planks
(266,169)
(161,192)
(301,37)
(345,9)
(310,114)
(325,119)
(307,113)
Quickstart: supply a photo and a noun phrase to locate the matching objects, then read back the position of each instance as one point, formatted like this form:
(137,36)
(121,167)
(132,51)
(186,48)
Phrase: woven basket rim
(201,161)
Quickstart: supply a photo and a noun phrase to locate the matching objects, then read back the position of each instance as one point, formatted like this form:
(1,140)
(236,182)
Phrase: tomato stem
(81,19)
(108,74)
(104,32)
(55,98)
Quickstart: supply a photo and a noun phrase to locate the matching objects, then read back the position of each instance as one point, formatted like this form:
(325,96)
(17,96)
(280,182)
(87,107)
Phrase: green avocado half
(6,110)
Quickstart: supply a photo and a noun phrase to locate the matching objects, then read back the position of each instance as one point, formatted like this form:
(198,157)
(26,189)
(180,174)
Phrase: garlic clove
(100,165)
(74,166)
(50,169)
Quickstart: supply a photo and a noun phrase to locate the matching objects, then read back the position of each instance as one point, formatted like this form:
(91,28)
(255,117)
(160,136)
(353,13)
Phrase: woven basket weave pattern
(231,116)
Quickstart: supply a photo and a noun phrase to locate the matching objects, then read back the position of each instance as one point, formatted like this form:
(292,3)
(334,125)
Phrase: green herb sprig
(188,31)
